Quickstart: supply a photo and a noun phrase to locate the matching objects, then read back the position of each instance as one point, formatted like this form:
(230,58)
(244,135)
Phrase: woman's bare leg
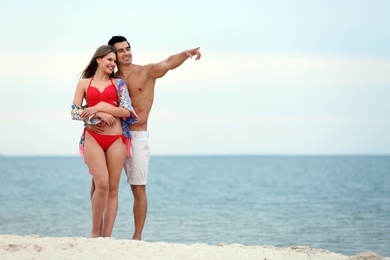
(96,161)
(115,156)
(101,223)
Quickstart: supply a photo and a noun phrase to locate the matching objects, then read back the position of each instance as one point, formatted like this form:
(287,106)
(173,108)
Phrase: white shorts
(137,165)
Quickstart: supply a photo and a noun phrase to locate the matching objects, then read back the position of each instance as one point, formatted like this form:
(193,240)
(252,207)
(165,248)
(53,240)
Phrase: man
(140,80)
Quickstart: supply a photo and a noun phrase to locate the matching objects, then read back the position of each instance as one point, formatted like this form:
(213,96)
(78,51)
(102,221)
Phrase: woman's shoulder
(119,82)
(117,79)
(84,81)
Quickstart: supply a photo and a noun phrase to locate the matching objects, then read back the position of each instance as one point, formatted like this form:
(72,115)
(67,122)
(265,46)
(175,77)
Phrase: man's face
(123,52)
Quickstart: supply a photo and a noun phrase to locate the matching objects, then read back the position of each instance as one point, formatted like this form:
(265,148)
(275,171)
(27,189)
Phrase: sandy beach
(37,247)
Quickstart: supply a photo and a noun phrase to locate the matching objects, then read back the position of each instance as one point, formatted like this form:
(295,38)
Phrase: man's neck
(125,69)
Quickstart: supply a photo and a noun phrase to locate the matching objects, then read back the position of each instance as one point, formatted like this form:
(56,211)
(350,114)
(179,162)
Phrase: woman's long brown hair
(101,52)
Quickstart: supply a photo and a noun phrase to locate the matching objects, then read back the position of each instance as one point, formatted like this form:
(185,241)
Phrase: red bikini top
(109,95)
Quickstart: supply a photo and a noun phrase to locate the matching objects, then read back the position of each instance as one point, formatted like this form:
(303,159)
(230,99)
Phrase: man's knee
(139,191)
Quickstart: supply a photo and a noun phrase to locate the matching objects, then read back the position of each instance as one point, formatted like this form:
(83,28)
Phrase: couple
(114,123)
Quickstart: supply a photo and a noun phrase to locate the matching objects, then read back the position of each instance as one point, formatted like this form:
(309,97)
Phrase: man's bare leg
(140,209)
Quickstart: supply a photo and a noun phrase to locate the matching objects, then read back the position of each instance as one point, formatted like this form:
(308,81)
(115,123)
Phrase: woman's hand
(109,119)
(89,111)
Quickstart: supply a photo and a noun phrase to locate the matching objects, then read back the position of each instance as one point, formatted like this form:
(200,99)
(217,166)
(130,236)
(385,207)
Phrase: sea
(336,203)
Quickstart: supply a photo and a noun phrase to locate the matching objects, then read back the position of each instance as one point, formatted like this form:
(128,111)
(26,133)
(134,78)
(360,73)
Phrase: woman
(108,103)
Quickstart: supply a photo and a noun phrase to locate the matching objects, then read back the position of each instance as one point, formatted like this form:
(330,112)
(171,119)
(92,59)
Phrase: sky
(276,77)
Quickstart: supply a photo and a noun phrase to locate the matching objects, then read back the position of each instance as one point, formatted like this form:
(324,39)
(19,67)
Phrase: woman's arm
(125,102)
(77,109)
(125,110)
(78,100)
(105,108)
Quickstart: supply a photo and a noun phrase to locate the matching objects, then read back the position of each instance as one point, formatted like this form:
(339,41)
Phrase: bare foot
(137,238)
(94,236)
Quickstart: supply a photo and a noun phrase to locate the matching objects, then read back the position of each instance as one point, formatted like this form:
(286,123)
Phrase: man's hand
(96,128)
(192,52)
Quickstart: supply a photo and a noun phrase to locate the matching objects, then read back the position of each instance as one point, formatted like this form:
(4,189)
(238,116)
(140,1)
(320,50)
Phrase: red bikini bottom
(105,141)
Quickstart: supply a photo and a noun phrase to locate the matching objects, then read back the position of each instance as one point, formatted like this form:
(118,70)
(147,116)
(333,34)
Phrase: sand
(37,247)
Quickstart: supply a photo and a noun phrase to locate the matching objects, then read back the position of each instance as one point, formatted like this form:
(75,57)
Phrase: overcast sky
(276,77)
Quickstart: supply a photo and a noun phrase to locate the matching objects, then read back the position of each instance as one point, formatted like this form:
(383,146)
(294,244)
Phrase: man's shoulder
(144,67)
(134,71)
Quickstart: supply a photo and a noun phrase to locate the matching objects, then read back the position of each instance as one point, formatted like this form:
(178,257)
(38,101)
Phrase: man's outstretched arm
(158,70)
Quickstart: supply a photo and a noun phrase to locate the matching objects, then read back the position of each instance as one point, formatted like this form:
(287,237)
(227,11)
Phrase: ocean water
(338,203)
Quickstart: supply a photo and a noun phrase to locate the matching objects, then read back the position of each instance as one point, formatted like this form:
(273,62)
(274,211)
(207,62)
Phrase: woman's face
(108,63)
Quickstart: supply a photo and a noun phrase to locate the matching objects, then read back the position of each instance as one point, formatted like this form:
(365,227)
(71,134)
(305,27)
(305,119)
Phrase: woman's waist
(115,129)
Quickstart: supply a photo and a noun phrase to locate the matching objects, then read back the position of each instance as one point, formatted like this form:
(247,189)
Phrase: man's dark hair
(116,39)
